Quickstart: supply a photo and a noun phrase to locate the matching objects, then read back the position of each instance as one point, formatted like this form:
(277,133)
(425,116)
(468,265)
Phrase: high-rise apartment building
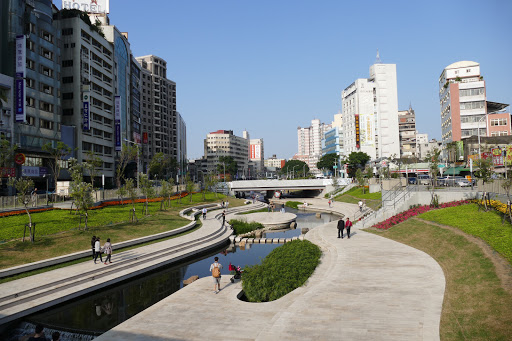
(160,120)
(256,156)
(370,113)
(310,143)
(332,141)
(407,128)
(88,91)
(225,143)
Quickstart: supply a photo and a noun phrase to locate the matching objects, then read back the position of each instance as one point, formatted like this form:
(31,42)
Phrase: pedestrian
(222,206)
(227,204)
(55,336)
(215,270)
(360,203)
(33,197)
(223,217)
(348,225)
(282,208)
(93,241)
(329,203)
(273,207)
(97,250)
(268,207)
(107,248)
(37,336)
(204,212)
(341,226)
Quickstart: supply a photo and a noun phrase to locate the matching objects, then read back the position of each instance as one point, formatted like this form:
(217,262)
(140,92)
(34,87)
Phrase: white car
(464,183)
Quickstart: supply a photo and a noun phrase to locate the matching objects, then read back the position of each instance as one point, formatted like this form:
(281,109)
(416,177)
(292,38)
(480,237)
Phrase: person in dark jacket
(341,226)
(93,241)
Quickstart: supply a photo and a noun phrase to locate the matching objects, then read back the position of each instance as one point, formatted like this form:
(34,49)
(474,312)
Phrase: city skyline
(271,67)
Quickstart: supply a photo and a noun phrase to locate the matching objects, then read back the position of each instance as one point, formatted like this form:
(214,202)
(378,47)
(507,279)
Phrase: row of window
(44,106)
(471,119)
(471,92)
(97,148)
(498,122)
(472,105)
(472,132)
(499,133)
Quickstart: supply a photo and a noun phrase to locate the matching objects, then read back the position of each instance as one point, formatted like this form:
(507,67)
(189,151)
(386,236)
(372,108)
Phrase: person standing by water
(93,241)
(215,270)
(223,217)
(97,250)
(107,248)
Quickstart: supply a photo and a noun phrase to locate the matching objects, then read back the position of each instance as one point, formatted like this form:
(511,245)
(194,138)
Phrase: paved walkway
(365,288)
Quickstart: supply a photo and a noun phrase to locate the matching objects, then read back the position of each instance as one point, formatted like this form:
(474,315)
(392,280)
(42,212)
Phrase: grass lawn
(476,306)
(255,211)
(373,200)
(57,233)
(484,225)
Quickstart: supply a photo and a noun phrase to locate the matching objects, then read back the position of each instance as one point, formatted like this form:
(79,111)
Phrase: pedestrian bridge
(282,185)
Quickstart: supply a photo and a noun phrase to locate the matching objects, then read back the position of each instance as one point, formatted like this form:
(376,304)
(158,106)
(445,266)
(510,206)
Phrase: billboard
(497,157)
(117,122)
(89,6)
(508,155)
(255,152)
(19,86)
(358,139)
(86,115)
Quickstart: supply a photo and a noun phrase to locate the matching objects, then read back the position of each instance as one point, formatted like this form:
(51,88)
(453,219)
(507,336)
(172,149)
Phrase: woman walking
(107,248)
(97,249)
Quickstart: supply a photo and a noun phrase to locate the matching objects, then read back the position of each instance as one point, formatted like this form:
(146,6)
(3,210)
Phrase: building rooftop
(463,63)
(495,106)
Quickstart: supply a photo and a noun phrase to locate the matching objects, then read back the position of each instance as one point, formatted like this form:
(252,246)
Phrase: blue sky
(271,66)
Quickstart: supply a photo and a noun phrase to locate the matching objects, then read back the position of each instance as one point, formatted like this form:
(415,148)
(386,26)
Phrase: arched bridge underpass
(270,186)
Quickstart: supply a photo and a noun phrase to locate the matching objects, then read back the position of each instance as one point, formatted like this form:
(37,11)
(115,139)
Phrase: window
(67,95)
(98,148)
(498,122)
(46,36)
(45,106)
(108,165)
(97,132)
(67,112)
(46,88)
(471,92)
(46,71)
(499,133)
(108,150)
(46,124)
(85,35)
(31,121)
(46,53)
(31,64)
(66,45)
(67,31)
(73,45)
(472,105)
(31,45)
(67,79)
(86,146)
(108,136)
(67,63)
(30,83)
(30,102)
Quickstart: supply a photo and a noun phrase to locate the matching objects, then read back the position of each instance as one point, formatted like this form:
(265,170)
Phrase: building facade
(407,129)
(225,143)
(274,162)
(256,156)
(310,143)
(370,114)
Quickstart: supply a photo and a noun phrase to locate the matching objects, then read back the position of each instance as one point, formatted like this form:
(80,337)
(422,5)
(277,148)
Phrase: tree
(360,178)
(128,153)
(211,182)
(161,165)
(433,158)
(6,153)
(484,169)
(292,166)
(369,172)
(230,164)
(327,162)
(131,190)
(165,192)
(93,162)
(356,160)
(23,186)
(451,147)
(81,192)
(121,191)
(57,154)
(189,186)
(147,189)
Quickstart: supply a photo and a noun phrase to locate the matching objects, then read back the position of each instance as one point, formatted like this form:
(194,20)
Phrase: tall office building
(370,113)
(256,156)
(87,91)
(310,143)
(30,56)
(407,128)
(160,120)
(332,141)
(225,143)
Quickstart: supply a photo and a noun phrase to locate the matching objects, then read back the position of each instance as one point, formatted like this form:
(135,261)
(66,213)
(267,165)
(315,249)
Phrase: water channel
(86,317)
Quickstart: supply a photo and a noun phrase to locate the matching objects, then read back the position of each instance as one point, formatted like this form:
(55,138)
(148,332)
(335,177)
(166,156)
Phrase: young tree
(158,165)
(57,154)
(92,164)
(484,169)
(121,192)
(147,189)
(131,190)
(360,178)
(23,186)
(81,192)
(433,158)
(211,182)
(369,172)
(128,153)
(165,192)
(6,153)
(189,186)
(231,167)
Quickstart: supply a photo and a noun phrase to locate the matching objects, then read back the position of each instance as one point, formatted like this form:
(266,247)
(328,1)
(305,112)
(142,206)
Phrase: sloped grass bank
(476,306)
(373,200)
(241,226)
(282,271)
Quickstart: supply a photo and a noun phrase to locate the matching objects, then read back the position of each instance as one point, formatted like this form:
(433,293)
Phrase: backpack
(216,271)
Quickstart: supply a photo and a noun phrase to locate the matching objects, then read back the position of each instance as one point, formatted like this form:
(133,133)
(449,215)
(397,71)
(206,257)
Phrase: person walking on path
(107,248)
(97,250)
(329,203)
(223,218)
(341,226)
(33,196)
(204,212)
(215,270)
(348,225)
(93,241)
(360,203)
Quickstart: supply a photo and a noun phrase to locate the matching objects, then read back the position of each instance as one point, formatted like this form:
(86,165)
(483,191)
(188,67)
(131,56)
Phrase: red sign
(497,158)
(6,172)
(145,137)
(19,158)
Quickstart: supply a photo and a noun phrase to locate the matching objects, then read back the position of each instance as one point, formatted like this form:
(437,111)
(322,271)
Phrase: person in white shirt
(215,270)
(360,203)
(97,249)
(204,212)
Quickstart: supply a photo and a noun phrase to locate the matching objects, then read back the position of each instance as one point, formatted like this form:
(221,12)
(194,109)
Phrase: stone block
(295,238)
(319,215)
(293,225)
(305,230)
(190,280)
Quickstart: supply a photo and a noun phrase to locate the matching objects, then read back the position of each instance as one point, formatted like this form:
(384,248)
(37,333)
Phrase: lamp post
(44,176)
(304,170)
(137,146)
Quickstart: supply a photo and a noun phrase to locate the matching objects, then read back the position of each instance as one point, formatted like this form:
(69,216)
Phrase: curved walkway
(365,288)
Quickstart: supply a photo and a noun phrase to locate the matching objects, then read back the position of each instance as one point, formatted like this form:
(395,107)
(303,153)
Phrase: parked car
(464,183)
(452,180)
(412,180)
(424,180)
(441,181)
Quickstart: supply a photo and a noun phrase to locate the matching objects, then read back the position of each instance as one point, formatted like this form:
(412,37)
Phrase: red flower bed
(401,217)
(18,212)
(124,202)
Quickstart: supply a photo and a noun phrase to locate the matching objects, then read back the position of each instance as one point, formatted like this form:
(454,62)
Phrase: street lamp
(304,170)
(138,169)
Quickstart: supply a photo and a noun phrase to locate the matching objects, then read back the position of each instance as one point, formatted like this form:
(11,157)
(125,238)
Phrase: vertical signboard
(145,137)
(358,140)
(497,158)
(86,115)
(117,122)
(20,78)
(255,152)
(508,154)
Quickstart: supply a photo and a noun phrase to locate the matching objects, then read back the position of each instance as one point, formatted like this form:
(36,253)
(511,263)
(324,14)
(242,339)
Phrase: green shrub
(241,227)
(293,204)
(282,271)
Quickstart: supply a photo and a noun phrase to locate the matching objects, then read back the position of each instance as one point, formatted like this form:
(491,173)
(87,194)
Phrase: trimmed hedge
(282,271)
(241,227)
(293,204)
